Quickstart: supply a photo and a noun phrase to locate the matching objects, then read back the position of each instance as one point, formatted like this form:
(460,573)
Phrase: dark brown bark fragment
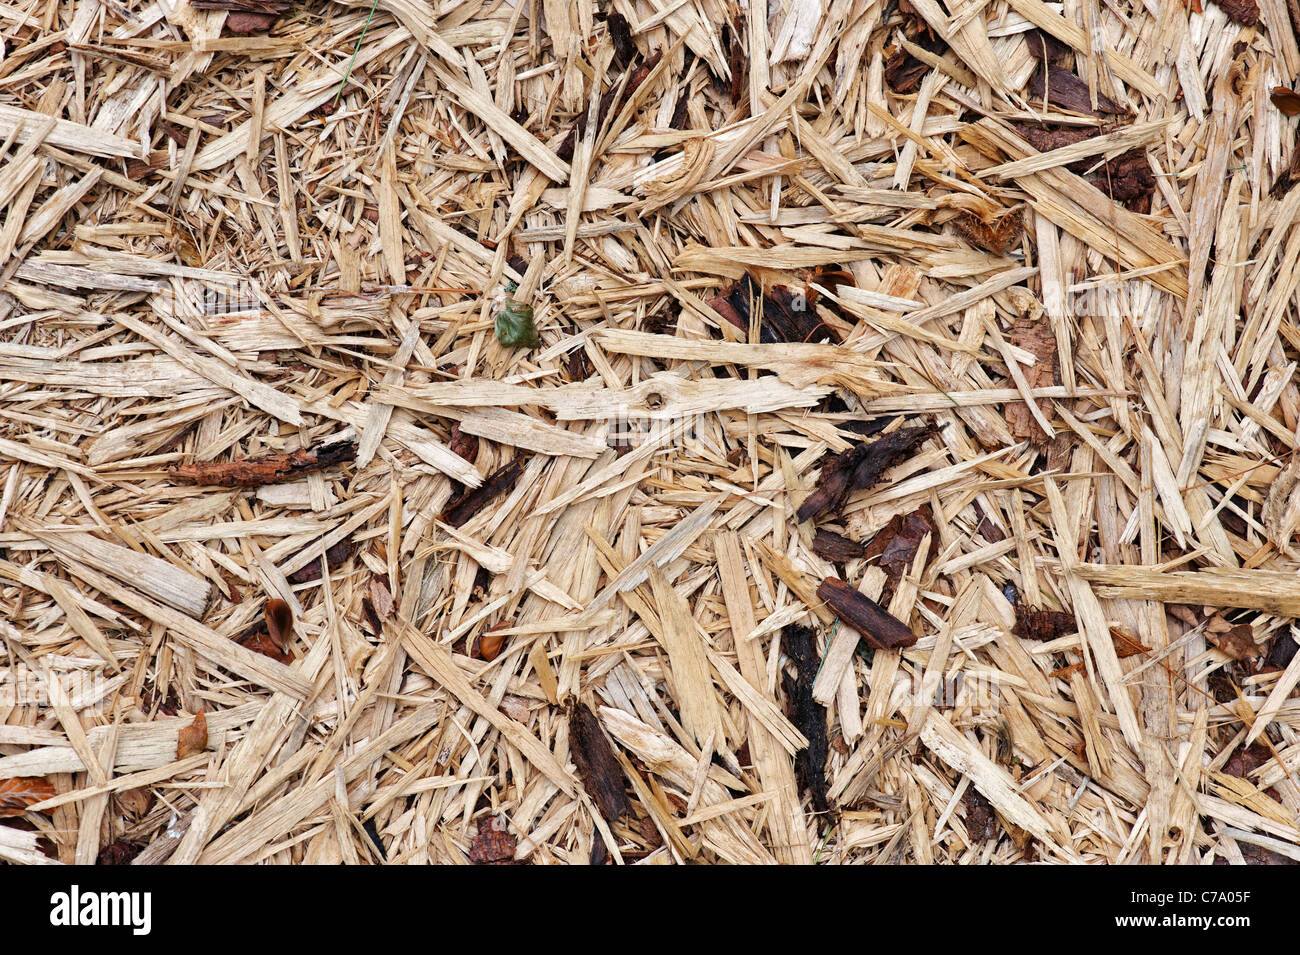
(335,556)
(465,505)
(897,542)
(787,316)
(807,714)
(858,468)
(1034,624)
(1245,12)
(594,757)
(878,628)
(1065,90)
(829,545)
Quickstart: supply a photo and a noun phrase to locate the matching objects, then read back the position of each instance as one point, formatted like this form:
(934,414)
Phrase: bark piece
(1047,138)
(1066,91)
(896,544)
(1237,642)
(787,315)
(807,714)
(877,627)
(272,635)
(267,469)
(858,468)
(336,556)
(464,443)
(1043,625)
(494,845)
(594,758)
(464,506)
(1245,12)
(620,34)
(1044,46)
(1036,337)
(829,545)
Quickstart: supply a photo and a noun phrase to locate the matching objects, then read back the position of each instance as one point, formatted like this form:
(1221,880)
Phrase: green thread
(348,72)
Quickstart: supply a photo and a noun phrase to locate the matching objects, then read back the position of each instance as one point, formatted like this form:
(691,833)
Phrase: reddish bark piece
(592,754)
(335,556)
(831,546)
(259,641)
(903,71)
(1036,337)
(897,542)
(494,845)
(1125,646)
(464,443)
(876,626)
(242,24)
(465,505)
(135,803)
(19,792)
(1246,760)
(1245,12)
(1045,139)
(1043,625)
(1065,90)
(998,236)
(193,738)
(1044,46)
(1127,178)
(807,714)
(267,469)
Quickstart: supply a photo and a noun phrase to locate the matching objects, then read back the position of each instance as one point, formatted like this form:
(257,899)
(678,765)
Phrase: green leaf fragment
(514,326)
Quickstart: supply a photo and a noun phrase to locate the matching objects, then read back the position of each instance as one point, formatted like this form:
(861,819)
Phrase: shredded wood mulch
(826,431)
